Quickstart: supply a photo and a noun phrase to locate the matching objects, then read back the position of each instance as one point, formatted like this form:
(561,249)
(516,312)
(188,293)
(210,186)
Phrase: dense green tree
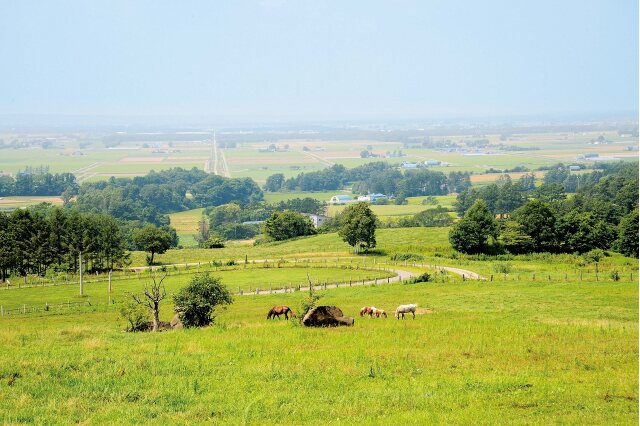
(627,242)
(514,239)
(196,303)
(358,226)
(581,232)
(286,225)
(538,221)
(226,213)
(152,240)
(274,182)
(475,231)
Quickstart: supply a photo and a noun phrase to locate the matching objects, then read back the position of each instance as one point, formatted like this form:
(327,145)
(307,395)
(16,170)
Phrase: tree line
(36,181)
(602,214)
(39,240)
(614,187)
(374,177)
(149,198)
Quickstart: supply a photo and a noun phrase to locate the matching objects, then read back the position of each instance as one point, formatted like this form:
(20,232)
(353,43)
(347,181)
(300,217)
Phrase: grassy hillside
(525,353)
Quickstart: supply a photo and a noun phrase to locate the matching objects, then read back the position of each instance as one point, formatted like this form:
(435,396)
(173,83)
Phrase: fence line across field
(338,262)
(443,276)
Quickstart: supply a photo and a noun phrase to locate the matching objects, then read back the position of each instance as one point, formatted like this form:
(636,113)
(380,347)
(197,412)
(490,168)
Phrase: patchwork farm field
(91,159)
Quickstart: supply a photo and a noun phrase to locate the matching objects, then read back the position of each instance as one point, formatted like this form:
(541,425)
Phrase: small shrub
(213,242)
(502,268)
(401,257)
(615,275)
(422,278)
(308,303)
(195,303)
(136,315)
(230,262)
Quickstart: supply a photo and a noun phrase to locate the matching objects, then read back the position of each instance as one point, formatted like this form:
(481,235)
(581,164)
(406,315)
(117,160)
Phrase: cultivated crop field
(92,157)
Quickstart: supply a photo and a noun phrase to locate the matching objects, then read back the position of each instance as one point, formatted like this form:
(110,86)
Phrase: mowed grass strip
(513,354)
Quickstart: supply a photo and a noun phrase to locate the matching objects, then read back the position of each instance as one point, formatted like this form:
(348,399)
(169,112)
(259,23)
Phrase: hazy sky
(318,59)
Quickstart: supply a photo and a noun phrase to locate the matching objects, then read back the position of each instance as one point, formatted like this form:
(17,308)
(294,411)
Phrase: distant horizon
(187,120)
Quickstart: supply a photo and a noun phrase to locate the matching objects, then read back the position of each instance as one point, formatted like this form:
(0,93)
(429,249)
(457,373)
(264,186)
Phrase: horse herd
(371,311)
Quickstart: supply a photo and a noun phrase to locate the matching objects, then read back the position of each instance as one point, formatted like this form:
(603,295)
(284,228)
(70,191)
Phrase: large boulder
(326,316)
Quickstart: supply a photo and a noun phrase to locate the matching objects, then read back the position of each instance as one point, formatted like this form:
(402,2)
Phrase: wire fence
(381,274)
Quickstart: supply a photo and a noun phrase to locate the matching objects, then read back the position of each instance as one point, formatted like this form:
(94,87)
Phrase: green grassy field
(526,353)
(263,277)
(516,350)
(430,243)
(385,210)
(186,225)
(275,197)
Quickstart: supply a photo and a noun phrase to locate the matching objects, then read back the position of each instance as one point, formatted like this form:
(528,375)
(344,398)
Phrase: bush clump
(425,277)
(195,304)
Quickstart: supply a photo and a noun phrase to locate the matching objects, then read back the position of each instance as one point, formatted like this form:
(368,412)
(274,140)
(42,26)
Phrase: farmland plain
(94,157)
(523,352)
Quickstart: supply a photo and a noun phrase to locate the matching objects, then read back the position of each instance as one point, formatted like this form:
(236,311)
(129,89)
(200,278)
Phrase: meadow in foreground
(527,353)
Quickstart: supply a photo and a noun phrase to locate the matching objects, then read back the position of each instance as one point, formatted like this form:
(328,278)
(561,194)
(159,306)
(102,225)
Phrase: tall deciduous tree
(358,226)
(539,222)
(152,240)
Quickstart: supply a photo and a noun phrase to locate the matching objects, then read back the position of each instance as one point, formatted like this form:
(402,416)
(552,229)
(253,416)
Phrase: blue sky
(318,59)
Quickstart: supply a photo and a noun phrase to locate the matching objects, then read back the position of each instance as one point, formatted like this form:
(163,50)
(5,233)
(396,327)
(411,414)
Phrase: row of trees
(46,239)
(31,182)
(375,177)
(34,241)
(148,198)
(536,227)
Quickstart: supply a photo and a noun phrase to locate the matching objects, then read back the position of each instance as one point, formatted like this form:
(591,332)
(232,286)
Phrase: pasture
(535,344)
(517,353)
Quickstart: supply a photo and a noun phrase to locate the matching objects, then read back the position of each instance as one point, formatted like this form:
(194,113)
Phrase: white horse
(405,309)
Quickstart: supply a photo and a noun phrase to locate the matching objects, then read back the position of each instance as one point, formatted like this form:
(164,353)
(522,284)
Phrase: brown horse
(276,311)
(380,313)
(367,310)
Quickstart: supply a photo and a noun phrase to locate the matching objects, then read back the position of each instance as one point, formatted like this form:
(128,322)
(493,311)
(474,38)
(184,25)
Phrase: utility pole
(81,284)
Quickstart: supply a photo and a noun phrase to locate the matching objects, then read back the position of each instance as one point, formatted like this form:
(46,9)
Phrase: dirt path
(401,275)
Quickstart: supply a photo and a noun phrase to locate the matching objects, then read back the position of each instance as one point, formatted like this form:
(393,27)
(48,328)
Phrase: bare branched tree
(153,295)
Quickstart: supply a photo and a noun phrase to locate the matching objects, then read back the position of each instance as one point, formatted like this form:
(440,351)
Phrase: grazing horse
(367,310)
(379,313)
(276,311)
(405,309)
